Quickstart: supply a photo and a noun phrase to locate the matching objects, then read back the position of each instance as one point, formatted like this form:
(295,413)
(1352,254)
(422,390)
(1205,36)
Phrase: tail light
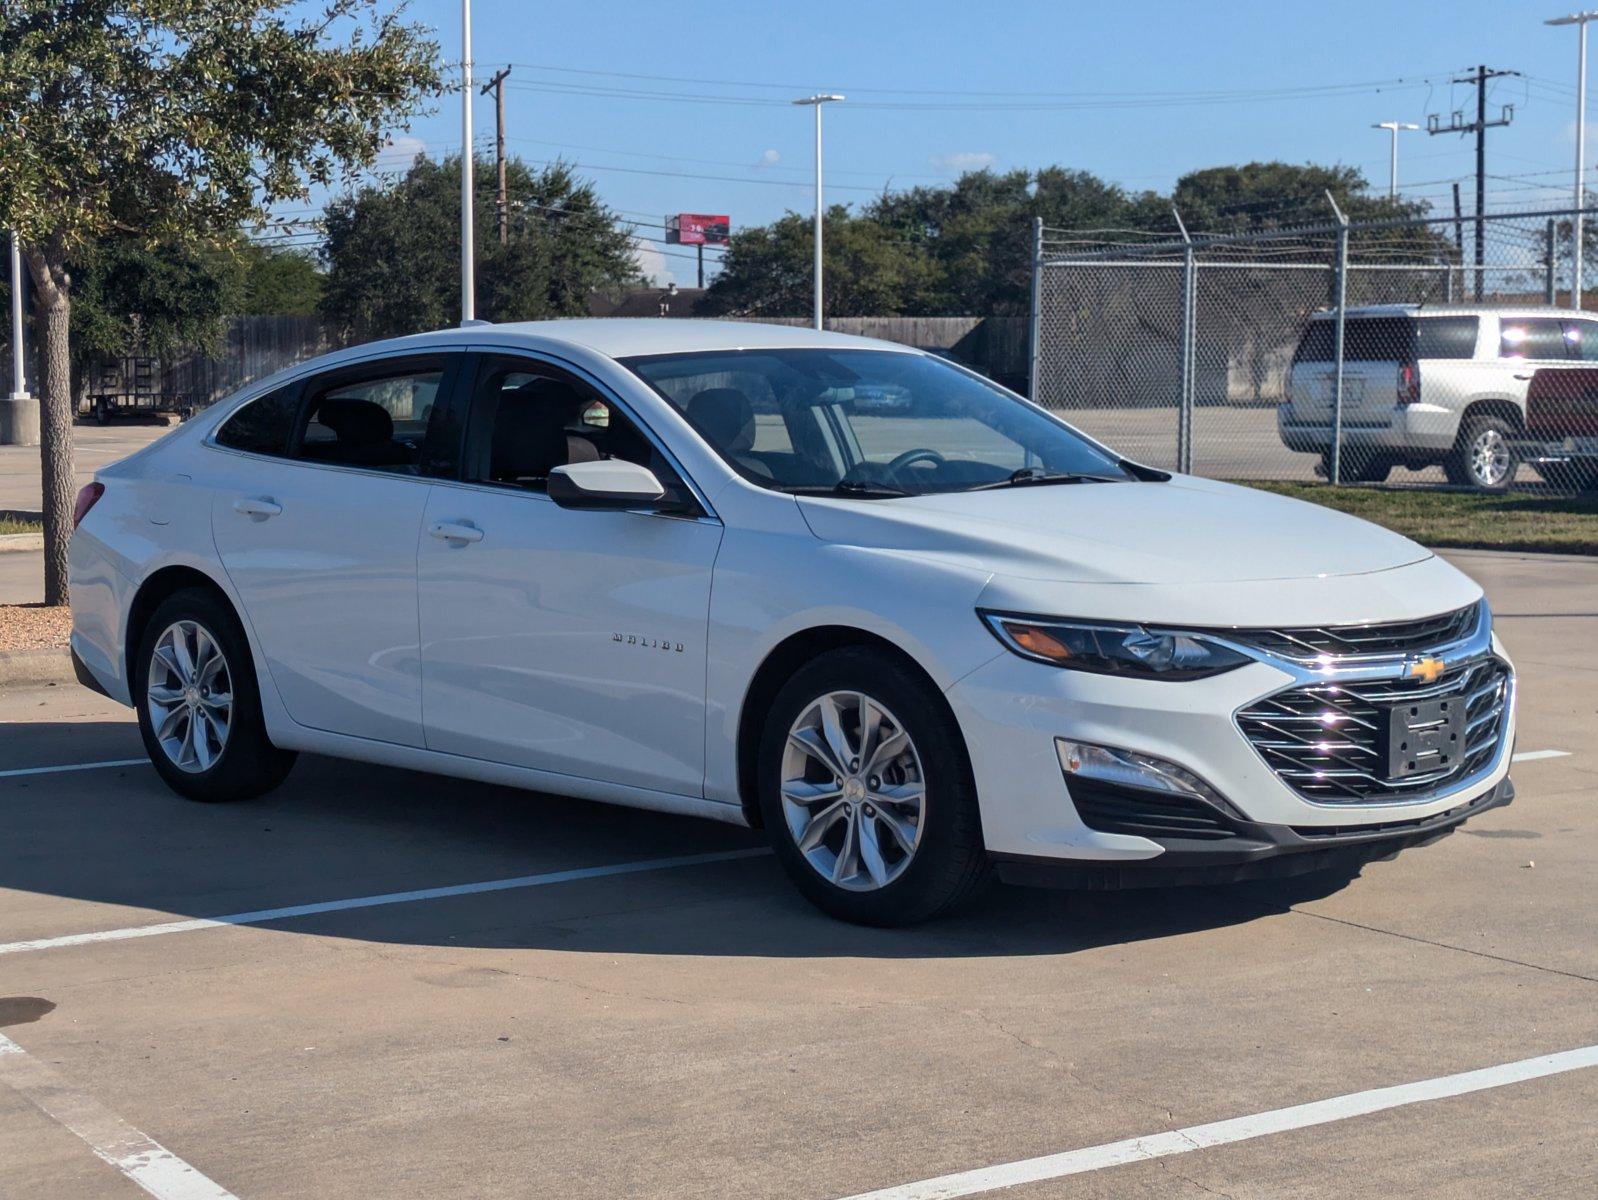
(87,495)
(1408,383)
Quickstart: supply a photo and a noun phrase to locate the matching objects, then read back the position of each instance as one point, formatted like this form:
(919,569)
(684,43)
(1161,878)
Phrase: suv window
(528,420)
(1390,339)
(263,426)
(1446,337)
(1532,337)
(378,421)
(1582,339)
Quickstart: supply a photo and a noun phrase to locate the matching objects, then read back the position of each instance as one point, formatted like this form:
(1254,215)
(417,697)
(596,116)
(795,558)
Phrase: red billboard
(698,229)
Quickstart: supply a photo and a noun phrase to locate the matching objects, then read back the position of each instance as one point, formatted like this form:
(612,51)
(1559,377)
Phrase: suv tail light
(87,495)
(1408,383)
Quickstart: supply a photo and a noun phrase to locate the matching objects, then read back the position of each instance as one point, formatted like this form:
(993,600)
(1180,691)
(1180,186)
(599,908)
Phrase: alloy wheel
(1489,458)
(189,692)
(853,792)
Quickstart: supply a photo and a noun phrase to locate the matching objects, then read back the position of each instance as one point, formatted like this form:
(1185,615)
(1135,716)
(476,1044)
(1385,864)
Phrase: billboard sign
(698,229)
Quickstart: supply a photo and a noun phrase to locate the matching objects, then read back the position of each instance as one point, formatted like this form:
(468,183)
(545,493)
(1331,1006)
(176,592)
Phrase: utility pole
(501,203)
(468,249)
(1480,126)
(1578,232)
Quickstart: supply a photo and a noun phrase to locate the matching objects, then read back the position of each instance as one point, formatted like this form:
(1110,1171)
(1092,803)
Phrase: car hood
(1185,531)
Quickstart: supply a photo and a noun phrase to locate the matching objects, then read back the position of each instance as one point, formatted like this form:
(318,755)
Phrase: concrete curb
(19,668)
(15,542)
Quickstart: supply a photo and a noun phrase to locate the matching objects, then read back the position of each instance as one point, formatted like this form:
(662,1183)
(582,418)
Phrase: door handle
(456,531)
(257,506)
(1522,376)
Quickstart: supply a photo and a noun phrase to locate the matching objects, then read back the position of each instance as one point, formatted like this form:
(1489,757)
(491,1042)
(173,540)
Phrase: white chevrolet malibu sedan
(917,628)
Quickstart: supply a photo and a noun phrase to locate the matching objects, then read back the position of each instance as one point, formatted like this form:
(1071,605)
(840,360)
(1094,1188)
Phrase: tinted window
(1537,337)
(262,426)
(1365,339)
(1446,337)
(814,418)
(531,421)
(1582,338)
(379,422)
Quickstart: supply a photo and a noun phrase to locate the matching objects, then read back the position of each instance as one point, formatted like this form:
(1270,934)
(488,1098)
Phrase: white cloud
(401,150)
(964,160)
(769,158)
(651,262)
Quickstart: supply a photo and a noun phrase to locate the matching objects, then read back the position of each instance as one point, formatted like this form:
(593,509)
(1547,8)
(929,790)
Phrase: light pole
(468,264)
(816,102)
(1392,167)
(1579,20)
(18,382)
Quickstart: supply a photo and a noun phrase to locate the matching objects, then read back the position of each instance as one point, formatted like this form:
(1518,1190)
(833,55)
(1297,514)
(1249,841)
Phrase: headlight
(1104,649)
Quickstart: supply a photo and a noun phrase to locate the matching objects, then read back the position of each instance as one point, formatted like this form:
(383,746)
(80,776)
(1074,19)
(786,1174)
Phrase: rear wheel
(867,793)
(1484,456)
(199,709)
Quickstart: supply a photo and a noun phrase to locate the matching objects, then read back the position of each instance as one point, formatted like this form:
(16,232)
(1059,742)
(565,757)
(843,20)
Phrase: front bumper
(1012,711)
(1253,850)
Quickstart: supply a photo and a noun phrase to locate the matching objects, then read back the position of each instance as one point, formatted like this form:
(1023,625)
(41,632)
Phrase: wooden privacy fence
(256,346)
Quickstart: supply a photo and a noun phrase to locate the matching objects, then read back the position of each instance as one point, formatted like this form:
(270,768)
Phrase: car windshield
(874,423)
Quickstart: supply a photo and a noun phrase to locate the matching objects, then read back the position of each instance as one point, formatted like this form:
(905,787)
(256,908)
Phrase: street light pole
(816,102)
(18,381)
(1579,20)
(1392,168)
(468,263)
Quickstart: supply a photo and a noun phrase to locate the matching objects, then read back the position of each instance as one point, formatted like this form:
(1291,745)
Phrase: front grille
(1386,639)
(1327,740)
(1110,808)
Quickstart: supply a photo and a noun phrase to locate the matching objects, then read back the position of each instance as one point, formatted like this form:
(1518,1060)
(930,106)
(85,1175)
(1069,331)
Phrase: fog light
(1128,768)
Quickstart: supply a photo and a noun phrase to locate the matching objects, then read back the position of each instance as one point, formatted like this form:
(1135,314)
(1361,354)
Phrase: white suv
(1428,386)
(910,623)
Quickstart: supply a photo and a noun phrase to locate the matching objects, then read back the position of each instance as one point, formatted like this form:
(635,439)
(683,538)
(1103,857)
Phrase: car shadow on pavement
(339,830)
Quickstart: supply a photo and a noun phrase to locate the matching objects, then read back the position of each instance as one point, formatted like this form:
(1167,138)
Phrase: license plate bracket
(1424,736)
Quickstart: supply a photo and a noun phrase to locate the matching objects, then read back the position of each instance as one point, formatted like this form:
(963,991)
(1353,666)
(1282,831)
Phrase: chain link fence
(1417,352)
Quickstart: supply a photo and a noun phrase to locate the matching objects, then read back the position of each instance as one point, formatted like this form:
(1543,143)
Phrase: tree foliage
(965,248)
(392,250)
(174,122)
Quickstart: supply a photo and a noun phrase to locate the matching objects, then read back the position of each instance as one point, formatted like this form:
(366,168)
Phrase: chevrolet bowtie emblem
(1426,669)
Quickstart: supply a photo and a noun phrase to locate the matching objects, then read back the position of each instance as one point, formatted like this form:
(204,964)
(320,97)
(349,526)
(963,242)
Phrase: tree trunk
(53,314)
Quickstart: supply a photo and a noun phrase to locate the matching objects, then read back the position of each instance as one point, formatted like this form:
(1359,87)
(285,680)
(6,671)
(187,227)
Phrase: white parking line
(94,766)
(1534,755)
(141,1158)
(263,915)
(1237,1129)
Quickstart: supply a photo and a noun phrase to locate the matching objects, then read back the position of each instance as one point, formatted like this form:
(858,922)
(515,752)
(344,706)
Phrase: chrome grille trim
(1340,644)
(1345,766)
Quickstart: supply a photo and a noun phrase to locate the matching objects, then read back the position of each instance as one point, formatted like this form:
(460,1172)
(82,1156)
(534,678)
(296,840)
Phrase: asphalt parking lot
(559,1014)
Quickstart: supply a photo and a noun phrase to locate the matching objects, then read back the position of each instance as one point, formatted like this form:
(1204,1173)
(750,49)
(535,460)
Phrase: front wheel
(867,793)
(1484,456)
(199,710)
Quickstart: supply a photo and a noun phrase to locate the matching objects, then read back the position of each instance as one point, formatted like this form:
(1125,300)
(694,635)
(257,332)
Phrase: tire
(937,860)
(1484,455)
(1358,467)
(232,759)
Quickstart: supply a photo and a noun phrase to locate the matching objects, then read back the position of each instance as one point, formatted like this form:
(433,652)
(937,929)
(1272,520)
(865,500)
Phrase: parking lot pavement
(697,1030)
(93,447)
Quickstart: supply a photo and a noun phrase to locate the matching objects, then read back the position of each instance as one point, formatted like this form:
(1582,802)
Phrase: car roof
(625,337)
(1447,310)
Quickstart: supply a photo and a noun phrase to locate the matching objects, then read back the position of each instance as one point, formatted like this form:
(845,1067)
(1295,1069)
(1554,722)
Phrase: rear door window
(390,416)
(1446,337)
(1582,339)
(1532,337)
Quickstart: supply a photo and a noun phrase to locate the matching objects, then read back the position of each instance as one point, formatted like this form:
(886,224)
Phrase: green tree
(279,282)
(176,122)
(392,250)
(1271,195)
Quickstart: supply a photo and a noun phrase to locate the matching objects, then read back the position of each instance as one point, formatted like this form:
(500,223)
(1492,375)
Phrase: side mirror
(609,483)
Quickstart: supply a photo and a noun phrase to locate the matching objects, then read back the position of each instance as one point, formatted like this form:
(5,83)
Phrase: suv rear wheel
(867,792)
(1484,456)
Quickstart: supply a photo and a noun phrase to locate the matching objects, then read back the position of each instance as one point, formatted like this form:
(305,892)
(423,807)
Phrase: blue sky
(1138,94)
